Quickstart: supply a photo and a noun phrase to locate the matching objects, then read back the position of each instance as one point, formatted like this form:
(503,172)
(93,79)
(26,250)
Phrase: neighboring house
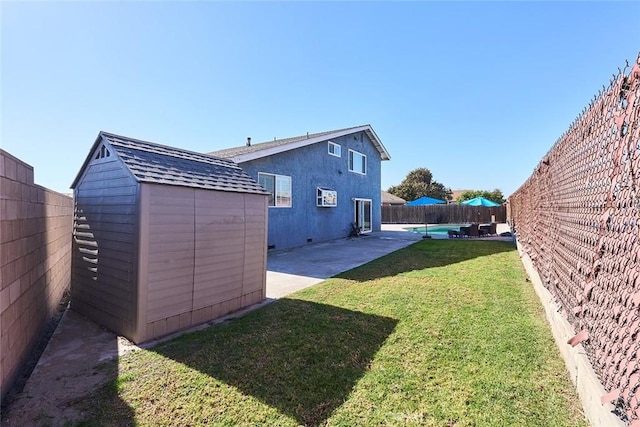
(455,194)
(164,238)
(389,199)
(320,183)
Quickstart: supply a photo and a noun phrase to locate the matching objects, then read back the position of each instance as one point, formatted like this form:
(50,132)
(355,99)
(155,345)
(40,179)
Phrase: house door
(363,214)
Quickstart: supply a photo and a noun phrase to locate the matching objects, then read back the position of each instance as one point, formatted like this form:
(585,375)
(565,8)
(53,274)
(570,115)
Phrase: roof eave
(246,157)
(384,154)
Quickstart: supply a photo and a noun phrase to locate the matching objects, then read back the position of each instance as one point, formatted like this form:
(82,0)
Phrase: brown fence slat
(442,214)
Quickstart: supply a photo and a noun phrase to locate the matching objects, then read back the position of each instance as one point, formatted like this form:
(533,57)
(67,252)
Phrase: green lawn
(443,333)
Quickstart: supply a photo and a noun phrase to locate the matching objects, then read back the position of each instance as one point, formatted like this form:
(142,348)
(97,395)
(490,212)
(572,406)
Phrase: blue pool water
(438,229)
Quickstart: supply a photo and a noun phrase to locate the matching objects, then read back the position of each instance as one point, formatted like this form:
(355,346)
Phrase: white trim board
(384,154)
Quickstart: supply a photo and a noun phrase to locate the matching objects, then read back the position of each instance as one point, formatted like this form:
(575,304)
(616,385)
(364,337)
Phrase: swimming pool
(437,229)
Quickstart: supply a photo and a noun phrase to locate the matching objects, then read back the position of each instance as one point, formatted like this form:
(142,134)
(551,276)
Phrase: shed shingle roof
(262,149)
(159,164)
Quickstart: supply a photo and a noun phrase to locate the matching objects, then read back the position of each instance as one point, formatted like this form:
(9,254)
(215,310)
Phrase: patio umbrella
(480,201)
(425,200)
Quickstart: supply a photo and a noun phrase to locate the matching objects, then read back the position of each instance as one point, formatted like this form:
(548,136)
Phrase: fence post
(426,227)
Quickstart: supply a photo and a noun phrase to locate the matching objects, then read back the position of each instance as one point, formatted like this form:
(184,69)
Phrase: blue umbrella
(425,200)
(480,201)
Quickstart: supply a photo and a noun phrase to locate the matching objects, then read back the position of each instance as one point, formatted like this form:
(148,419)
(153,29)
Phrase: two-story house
(321,184)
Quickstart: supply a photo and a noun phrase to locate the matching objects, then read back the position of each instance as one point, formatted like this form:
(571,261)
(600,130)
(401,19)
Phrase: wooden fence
(442,214)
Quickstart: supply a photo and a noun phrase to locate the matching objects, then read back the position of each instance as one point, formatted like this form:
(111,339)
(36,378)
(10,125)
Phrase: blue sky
(477,92)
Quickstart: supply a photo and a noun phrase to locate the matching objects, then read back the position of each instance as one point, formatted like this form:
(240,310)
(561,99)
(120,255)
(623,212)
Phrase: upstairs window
(357,162)
(280,188)
(335,149)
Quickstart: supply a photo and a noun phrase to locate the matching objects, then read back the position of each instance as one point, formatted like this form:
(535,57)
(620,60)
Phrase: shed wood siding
(160,237)
(202,255)
(171,261)
(103,280)
(219,248)
(255,256)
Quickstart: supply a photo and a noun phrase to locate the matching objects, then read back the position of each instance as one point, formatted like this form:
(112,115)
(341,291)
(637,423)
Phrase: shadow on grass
(300,357)
(428,253)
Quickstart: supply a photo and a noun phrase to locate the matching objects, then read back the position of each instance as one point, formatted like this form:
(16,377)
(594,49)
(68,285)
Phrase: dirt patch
(31,362)
(74,363)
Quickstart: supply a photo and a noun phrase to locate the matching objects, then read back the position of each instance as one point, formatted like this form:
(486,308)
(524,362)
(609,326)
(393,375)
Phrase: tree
(419,182)
(495,195)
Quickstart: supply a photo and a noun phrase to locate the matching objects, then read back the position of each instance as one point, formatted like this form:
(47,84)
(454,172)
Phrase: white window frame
(350,161)
(323,194)
(337,149)
(278,179)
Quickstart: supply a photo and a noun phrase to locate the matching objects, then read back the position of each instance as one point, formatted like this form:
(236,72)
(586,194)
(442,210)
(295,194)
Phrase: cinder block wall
(35,258)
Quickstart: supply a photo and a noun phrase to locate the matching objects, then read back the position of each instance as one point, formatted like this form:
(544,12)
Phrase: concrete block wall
(35,261)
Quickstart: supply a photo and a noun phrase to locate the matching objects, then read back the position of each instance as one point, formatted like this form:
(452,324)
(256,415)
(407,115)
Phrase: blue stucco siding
(310,167)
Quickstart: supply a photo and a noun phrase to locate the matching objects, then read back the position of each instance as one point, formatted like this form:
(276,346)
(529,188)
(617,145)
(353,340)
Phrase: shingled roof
(159,164)
(255,151)
(391,199)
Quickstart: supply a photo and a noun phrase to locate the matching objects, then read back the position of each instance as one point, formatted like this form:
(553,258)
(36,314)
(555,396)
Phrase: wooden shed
(163,238)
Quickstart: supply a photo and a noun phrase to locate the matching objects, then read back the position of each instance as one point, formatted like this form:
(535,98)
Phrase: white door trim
(359,207)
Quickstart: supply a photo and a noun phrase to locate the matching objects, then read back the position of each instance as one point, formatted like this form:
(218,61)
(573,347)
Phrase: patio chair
(453,233)
(470,231)
(488,229)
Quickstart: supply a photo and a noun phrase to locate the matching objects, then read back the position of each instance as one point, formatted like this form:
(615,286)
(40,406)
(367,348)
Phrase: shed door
(362,209)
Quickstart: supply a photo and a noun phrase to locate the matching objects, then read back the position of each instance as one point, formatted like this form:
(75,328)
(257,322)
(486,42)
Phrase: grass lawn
(442,333)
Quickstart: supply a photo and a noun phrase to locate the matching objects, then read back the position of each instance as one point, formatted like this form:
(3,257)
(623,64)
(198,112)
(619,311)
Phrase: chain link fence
(578,218)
